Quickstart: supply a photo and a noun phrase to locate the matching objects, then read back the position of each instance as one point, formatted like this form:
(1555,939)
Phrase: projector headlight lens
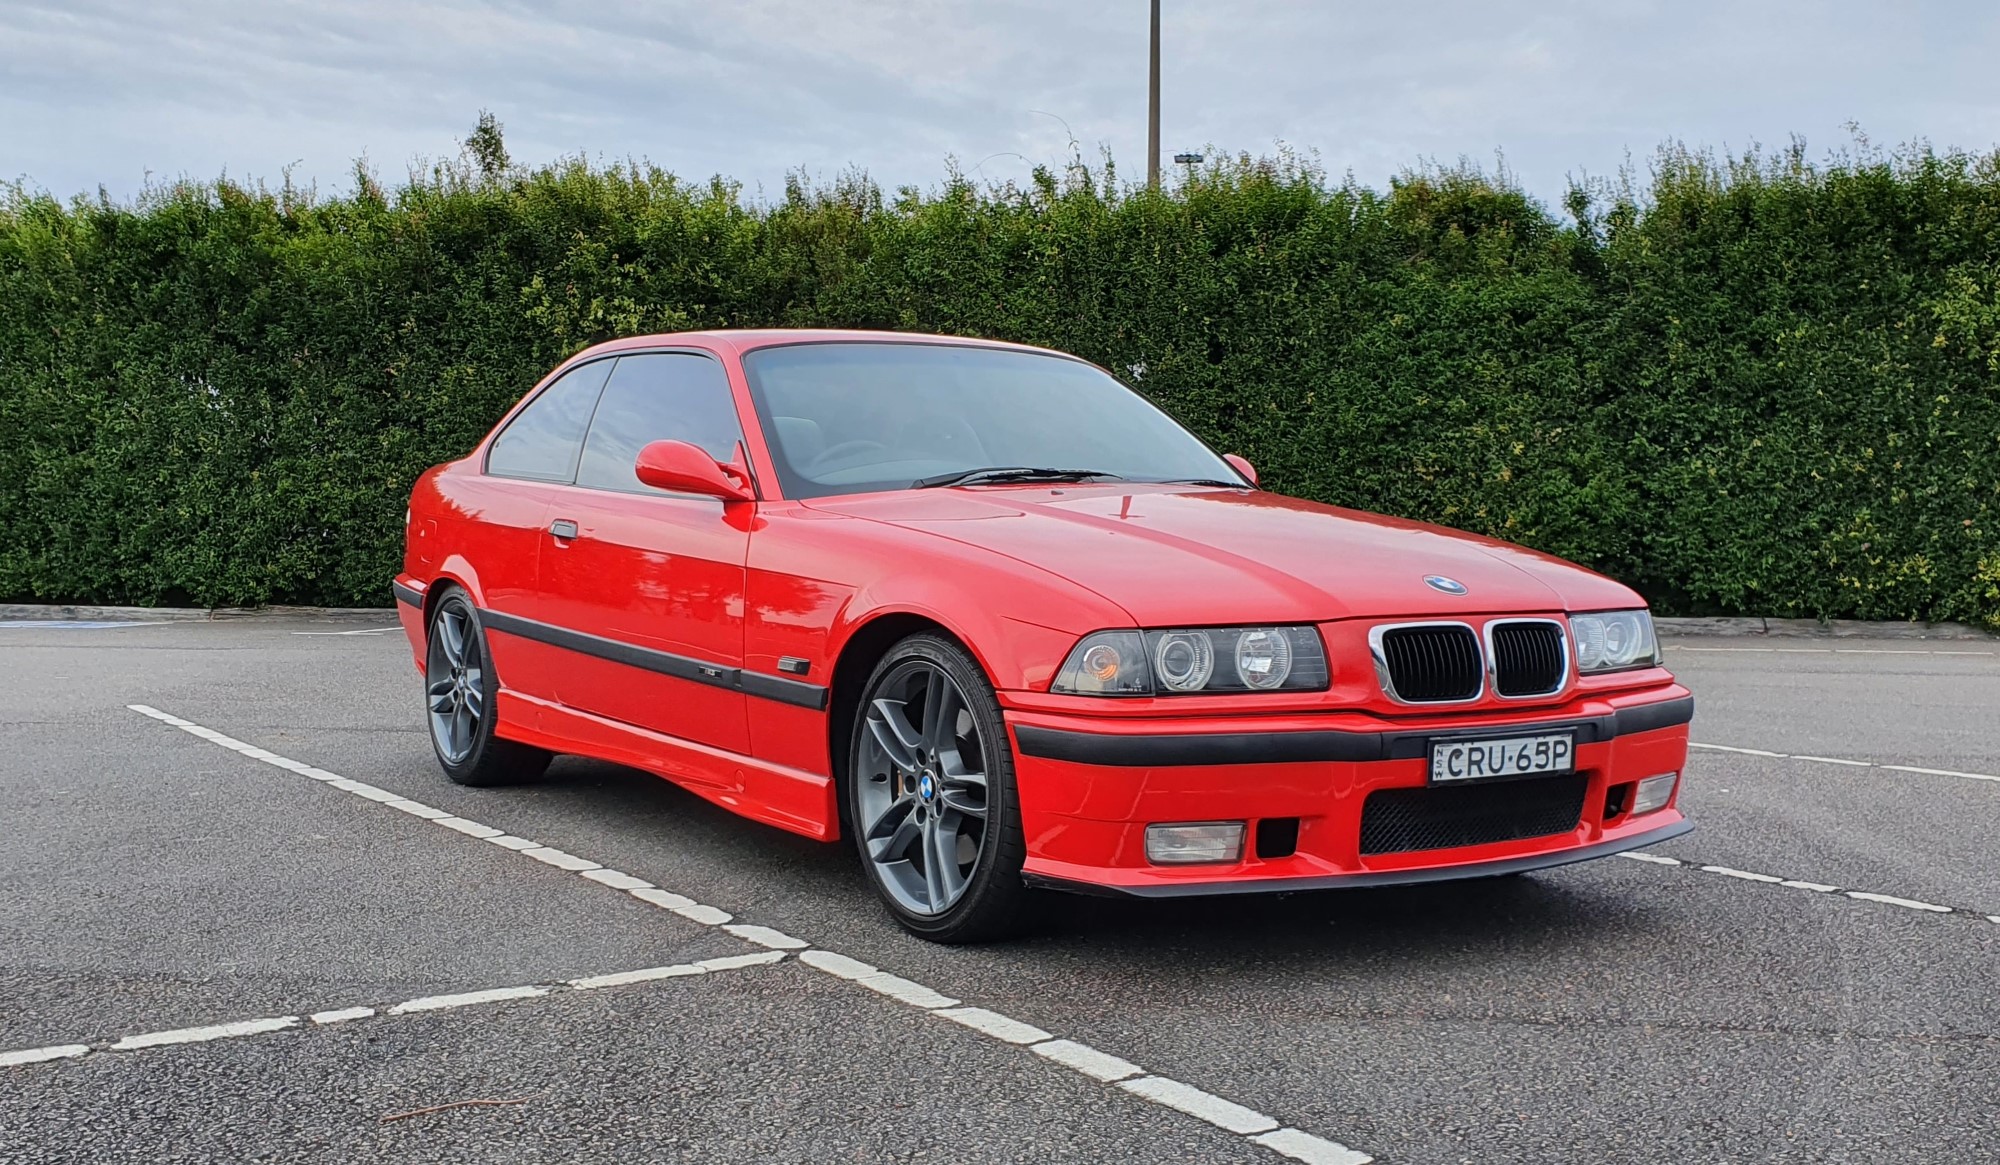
(1183,660)
(1263,658)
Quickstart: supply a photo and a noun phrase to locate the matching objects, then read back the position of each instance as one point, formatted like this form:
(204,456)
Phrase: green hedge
(1756,386)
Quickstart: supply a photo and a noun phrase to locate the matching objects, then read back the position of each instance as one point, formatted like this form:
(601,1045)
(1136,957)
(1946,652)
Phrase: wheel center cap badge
(1449,586)
(925,787)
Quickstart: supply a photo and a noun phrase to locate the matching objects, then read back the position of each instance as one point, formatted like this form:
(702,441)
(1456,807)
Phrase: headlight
(1183,660)
(1613,641)
(1195,660)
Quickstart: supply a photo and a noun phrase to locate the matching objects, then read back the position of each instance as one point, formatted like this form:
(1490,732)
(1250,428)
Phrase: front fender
(1016,651)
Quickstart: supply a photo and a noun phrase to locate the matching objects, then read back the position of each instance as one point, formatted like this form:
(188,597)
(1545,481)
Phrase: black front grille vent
(1432,664)
(1529,658)
(1395,821)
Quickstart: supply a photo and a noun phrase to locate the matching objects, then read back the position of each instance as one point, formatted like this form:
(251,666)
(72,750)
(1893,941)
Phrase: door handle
(563,529)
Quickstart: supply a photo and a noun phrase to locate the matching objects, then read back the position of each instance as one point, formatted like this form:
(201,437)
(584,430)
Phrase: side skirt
(791,799)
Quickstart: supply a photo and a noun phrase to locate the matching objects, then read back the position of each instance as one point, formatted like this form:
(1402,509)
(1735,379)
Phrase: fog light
(1654,793)
(1194,843)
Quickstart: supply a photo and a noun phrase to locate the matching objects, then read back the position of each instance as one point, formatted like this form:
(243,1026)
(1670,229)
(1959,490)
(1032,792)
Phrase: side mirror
(682,468)
(1242,465)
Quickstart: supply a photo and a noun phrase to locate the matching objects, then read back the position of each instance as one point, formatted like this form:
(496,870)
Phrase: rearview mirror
(1242,465)
(681,468)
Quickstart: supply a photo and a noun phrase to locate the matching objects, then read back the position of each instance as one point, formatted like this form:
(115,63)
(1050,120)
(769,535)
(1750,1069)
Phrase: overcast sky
(107,92)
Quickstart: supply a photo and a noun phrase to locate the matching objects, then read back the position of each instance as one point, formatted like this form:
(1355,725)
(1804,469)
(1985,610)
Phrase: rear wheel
(458,703)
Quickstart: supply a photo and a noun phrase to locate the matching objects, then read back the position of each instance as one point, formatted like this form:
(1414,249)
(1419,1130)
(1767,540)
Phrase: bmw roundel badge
(1449,586)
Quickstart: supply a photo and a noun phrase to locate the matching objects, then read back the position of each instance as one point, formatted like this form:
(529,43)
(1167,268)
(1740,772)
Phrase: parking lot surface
(264,850)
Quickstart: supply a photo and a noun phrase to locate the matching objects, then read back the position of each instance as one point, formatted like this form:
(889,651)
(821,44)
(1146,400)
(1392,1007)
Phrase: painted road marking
(1835,760)
(363,631)
(1906,903)
(1193,1101)
(1656,859)
(465,999)
(617,879)
(764,936)
(1100,1066)
(1746,875)
(1308,1148)
(71,624)
(994,1024)
(1834,650)
(622,978)
(1799,884)
(904,991)
(265,1026)
(201,1035)
(1260,1129)
(38,1055)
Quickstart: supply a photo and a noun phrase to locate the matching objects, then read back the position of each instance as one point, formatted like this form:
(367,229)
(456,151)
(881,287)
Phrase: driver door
(655,579)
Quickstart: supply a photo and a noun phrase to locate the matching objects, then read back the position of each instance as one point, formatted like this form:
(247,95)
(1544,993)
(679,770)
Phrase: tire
(912,794)
(458,701)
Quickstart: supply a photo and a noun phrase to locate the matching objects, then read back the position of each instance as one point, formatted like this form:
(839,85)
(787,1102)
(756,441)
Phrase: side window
(658,397)
(542,440)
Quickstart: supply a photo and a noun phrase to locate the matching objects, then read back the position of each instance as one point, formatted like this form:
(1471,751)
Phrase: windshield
(853,417)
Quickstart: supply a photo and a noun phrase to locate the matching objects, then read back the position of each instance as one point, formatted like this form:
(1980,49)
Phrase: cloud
(108,91)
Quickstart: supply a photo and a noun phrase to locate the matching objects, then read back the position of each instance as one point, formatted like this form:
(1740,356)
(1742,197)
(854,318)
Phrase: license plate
(1513,756)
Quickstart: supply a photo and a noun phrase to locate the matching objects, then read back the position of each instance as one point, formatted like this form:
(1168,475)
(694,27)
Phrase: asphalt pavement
(1813,975)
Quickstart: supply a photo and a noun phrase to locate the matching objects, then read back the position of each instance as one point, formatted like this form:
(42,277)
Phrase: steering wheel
(826,461)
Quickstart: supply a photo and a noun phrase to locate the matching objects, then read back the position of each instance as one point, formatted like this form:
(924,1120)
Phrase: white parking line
(1193,1101)
(72,624)
(994,1024)
(39,1055)
(1835,650)
(201,1035)
(363,631)
(1746,875)
(1100,1066)
(277,1023)
(1259,1129)
(1798,884)
(1835,760)
(1892,900)
(466,999)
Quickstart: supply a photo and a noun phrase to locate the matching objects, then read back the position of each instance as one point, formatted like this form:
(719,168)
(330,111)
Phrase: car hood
(1175,555)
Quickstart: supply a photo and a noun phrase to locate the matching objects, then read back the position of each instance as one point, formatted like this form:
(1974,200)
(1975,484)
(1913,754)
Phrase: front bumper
(1090,785)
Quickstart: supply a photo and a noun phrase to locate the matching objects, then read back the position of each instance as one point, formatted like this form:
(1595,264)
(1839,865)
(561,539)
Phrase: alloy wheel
(456,692)
(922,788)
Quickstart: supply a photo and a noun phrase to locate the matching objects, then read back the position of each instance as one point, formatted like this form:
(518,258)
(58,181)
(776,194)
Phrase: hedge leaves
(1759,386)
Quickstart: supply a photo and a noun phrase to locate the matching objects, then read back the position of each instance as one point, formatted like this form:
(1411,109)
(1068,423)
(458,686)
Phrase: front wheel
(931,790)
(458,701)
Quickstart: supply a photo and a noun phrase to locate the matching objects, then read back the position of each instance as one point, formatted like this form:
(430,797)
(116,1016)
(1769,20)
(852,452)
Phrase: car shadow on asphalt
(1446,921)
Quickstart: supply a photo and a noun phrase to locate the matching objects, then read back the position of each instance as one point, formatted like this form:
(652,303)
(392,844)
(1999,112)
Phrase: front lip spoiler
(1602,849)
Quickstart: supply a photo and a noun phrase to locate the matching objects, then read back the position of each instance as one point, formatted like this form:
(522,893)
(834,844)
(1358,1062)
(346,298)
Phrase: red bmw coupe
(991,614)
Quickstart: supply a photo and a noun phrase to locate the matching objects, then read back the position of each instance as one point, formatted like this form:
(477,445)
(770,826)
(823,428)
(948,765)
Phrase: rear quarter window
(544,440)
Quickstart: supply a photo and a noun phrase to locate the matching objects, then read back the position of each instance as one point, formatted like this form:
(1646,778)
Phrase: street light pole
(1153,109)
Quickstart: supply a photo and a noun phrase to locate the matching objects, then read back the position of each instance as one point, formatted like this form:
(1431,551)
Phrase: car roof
(742,340)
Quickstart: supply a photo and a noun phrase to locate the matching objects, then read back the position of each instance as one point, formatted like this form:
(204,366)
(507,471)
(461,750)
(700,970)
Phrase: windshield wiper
(1203,481)
(1004,473)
